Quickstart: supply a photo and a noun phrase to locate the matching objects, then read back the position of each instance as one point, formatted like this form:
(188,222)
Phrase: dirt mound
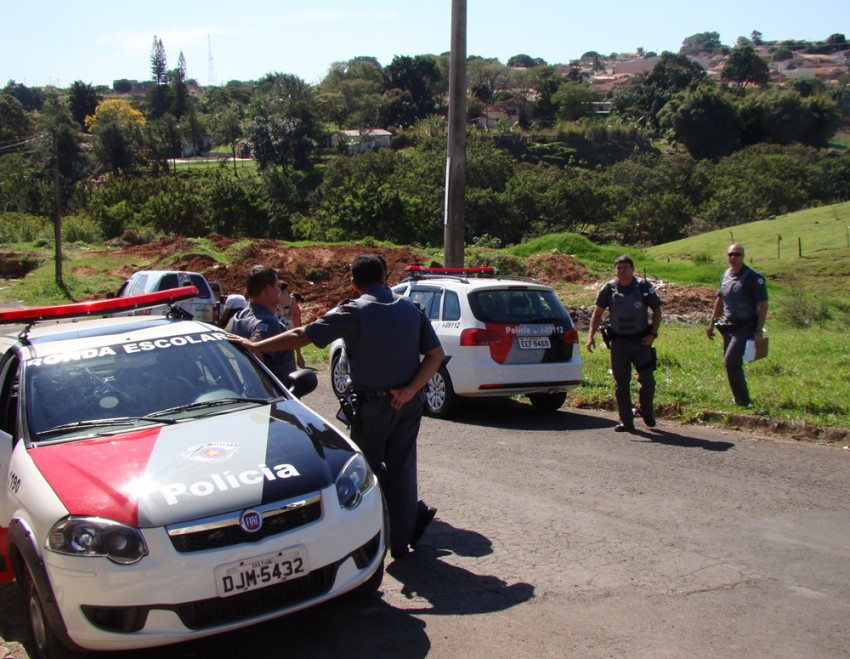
(552,268)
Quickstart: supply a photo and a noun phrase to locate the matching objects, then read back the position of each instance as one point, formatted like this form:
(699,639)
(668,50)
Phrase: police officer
(384,336)
(257,321)
(629,300)
(741,306)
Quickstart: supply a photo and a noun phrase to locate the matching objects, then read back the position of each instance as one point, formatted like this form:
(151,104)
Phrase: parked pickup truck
(202,308)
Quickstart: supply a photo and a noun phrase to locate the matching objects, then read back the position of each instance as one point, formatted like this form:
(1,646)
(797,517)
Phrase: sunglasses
(735,254)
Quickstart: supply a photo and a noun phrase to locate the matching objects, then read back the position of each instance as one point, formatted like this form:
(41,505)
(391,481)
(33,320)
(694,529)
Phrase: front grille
(219,611)
(201,535)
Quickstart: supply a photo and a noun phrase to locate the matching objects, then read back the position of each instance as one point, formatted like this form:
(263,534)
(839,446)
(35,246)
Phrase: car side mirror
(302,382)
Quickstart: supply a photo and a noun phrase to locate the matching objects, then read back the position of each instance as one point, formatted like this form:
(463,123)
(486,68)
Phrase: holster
(349,409)
(651,364)
(605,331)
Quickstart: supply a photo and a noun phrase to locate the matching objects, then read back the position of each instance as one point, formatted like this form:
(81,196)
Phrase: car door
(8,429)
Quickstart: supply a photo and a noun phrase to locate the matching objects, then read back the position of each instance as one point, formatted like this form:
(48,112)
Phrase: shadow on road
(507,413)
(451,590)
(659,436)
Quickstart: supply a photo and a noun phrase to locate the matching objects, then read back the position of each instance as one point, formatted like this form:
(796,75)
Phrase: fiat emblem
(251,521)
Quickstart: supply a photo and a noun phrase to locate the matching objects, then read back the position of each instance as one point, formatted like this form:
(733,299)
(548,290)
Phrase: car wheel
(548,402)
(45,642)
(339,374)
(440,398)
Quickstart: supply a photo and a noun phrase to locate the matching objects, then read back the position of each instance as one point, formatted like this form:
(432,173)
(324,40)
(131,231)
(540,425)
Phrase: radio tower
(211,81)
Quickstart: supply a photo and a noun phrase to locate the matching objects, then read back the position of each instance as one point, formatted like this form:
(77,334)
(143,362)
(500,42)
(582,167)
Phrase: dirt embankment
(320,273)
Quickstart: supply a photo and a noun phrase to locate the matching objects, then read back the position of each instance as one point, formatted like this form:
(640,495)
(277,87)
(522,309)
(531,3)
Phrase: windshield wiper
(97,423)
(204,404)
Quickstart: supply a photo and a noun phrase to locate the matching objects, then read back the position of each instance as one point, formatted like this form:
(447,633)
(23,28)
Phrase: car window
(9,395)
(168,282)
(430,300)
(138,286)
(202,286)
(517,306)
(134,380)
(451,307)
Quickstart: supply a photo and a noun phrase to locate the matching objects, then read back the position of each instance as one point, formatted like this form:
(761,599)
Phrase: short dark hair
(368,269)
(259,277)
(624,259)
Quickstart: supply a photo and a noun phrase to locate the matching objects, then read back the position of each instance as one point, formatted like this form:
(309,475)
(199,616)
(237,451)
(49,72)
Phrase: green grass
(804,379)
(791,385)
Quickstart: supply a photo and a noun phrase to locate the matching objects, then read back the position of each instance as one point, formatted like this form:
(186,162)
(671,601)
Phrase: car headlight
(354,479)
(94,536)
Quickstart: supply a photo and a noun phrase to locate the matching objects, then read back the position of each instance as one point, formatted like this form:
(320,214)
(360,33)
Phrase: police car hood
(194,469)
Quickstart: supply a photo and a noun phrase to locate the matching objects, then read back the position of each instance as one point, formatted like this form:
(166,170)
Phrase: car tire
(339,374)
(368,587)
(45,642)
(440,398)
(548,402)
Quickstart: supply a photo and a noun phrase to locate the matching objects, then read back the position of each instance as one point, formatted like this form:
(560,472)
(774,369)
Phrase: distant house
(635,66)
(358,141)
(492,114)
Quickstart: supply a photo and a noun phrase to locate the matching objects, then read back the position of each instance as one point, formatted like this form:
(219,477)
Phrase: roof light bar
(98,307)
(486,270)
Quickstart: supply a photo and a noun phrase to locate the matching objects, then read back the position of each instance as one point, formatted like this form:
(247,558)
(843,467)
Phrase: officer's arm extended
(294,338)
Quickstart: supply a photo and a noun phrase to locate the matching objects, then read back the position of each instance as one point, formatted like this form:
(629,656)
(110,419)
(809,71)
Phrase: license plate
(537,343)
(262,571)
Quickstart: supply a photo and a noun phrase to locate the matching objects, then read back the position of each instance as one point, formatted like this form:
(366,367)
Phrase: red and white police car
(159,484)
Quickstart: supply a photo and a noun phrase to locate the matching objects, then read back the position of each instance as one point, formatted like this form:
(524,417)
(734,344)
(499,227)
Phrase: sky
(57,42)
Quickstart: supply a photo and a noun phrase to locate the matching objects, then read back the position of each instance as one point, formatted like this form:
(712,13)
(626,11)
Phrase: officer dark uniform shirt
(740,293)
(384,336)
(256,323)
(628,310)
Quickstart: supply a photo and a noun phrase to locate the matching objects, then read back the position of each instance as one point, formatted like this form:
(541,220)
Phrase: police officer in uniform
(741,306)
(384,336)
(632,333)
(257,321)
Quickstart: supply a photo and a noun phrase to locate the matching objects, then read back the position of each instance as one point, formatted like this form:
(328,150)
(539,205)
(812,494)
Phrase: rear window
(173,280)
(517,306)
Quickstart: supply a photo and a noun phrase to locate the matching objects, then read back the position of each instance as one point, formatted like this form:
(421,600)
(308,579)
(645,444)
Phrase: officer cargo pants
(626,352)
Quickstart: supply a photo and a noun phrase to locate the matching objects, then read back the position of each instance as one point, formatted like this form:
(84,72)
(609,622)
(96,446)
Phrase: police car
(160,485)
(503,336)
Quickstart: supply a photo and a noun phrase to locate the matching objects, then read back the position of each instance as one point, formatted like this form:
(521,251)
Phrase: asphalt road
(557,537)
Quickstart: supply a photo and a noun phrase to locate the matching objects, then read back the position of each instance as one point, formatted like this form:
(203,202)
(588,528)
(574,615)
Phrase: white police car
(503,336)
(160,485)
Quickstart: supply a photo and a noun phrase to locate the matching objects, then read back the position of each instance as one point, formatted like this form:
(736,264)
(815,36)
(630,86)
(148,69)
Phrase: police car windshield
(124,383)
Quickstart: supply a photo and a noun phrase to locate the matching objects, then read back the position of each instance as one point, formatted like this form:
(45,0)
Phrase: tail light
(571,336)
(479,337)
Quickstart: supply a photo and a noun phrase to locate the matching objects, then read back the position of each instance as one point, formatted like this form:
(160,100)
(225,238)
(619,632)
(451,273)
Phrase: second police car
(159,484)
(503,336)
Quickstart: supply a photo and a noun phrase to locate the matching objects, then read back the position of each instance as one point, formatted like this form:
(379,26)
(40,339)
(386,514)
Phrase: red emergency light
(98,307)
(420,269)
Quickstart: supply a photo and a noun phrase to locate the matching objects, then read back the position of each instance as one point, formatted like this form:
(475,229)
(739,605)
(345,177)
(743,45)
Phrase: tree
(837,38)
(671,75)
(705,120)
(277,140)
(415,77)
(227,129)
(83,101)
(744,66)
(32,98)
(756,38)
(122,86)
(15,123)
(525,61)
(486,78)
(117,130)
(575,100)
(158,94)
(703,42)
(179,92)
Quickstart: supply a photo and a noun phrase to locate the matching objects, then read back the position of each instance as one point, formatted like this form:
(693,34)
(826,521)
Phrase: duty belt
(370,396)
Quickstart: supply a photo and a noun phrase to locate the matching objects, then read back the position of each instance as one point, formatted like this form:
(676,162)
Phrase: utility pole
(456,156)
(57,207)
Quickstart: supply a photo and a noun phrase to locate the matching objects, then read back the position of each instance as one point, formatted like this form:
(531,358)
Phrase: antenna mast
(211,81)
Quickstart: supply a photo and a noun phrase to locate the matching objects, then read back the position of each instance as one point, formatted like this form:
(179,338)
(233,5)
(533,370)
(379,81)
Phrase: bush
(80,228)
(23,227)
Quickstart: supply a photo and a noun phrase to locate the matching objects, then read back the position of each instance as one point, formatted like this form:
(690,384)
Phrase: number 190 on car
(253,573)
